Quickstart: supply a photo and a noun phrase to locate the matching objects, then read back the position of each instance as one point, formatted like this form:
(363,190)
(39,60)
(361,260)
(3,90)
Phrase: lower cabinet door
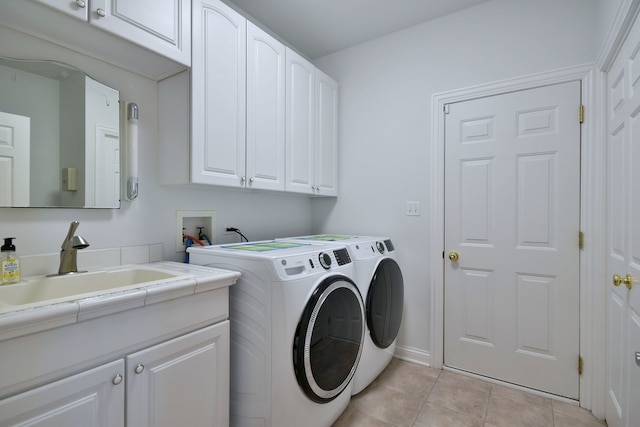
(181,382)
(91,398)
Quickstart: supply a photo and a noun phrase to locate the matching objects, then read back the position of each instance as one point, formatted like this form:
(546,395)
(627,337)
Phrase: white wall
(151,218)
(386,87)
(606,13)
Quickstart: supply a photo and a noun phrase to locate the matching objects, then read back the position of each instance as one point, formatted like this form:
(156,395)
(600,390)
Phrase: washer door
(329,339)
(385,301)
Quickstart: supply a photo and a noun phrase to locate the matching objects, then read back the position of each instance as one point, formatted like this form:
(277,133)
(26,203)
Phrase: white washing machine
(297,330)
(379,278)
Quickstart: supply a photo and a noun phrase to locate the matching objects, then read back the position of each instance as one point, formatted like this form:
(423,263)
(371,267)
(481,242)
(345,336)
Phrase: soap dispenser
(10,262)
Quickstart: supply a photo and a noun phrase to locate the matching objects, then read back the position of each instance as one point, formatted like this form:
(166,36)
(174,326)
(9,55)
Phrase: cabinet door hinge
(581,240)
(580,365)
(445,108)
(581,113)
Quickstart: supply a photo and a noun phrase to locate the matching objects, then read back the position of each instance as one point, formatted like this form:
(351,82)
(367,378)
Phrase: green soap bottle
(10,262)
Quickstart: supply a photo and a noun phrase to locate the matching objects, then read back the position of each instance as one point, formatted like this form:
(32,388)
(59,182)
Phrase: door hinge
(445,108)
(580,365)
(581,113)
(580,240)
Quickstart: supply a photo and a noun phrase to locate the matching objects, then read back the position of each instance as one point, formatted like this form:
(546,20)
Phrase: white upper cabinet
(237,106)
(326,159)
(150,37)
(312,129)
(265,110)
(159,25)
(300,142)
(218,95)
(78,9)
(163,26)
(259,116)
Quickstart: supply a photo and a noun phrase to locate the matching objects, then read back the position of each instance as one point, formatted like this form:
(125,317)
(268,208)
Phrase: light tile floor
(411,395)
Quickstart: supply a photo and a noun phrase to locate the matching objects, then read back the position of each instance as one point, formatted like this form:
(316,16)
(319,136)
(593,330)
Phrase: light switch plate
(412,209)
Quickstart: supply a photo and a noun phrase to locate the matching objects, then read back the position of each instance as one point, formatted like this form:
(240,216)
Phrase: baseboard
(413,355)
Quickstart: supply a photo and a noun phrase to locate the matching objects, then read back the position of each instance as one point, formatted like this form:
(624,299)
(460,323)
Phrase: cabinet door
(182,382)
(300,134)
(218,89)
(265,110)
(78,9)
(163,26)
(326,125)
(91,398)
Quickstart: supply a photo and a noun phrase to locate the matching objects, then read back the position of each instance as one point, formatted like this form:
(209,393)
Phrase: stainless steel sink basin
(79,285)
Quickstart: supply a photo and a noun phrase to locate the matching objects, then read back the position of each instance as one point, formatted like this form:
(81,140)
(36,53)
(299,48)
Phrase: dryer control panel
(313,263)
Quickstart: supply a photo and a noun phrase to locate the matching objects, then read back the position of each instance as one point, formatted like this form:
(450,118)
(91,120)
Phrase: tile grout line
(426,398)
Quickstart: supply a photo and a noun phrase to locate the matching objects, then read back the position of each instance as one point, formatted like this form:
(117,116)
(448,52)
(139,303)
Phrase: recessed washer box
(187,222)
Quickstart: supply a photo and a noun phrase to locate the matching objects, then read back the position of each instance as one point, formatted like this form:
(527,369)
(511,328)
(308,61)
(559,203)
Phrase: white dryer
(379,278)
(297,330)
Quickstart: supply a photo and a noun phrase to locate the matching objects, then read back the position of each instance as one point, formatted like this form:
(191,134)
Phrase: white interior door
(107,167)
(15,140)
(623,236)
(512,206)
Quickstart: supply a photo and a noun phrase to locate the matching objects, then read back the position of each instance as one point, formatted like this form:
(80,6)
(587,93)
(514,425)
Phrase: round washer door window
(329,339)
(385,301)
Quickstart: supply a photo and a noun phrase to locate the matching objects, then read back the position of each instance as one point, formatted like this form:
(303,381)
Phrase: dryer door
(329,339)
(385,301)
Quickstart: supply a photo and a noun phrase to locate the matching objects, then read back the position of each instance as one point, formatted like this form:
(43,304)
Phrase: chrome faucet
(69,251)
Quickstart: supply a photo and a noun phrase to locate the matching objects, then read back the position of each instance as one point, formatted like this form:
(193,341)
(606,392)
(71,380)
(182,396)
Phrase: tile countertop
(18,320)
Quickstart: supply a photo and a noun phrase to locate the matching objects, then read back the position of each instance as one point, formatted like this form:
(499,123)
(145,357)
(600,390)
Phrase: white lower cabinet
(91,398)
(182,382)
(140,358)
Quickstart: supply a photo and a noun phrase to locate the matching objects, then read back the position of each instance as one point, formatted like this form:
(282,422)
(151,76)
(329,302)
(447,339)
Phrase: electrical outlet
(412,209)
(187,222)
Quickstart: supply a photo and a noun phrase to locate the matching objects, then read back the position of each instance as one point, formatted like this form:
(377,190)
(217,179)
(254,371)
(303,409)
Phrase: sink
(80,285)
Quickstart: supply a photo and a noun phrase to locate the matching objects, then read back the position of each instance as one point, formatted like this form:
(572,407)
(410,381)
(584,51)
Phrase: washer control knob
(325,260)
(380,247)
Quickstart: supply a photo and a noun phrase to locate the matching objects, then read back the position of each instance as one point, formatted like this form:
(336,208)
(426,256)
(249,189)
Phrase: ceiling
(318,27)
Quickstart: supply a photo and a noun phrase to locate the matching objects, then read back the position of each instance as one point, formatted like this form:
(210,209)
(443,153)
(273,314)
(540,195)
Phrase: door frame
(592,217)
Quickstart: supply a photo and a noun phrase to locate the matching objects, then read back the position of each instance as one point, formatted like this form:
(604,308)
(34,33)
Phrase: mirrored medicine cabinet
(59,137)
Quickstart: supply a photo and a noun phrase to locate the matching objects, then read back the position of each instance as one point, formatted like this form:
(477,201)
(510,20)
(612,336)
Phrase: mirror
(59,137)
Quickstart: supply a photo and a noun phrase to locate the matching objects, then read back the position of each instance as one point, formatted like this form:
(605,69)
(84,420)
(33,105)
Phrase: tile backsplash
(92,259)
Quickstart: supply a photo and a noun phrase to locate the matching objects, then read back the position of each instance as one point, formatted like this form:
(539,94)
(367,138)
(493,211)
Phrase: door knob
(453,256)
(627,280)
(617,280)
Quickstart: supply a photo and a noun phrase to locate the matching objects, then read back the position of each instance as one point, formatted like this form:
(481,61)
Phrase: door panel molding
(592,215)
